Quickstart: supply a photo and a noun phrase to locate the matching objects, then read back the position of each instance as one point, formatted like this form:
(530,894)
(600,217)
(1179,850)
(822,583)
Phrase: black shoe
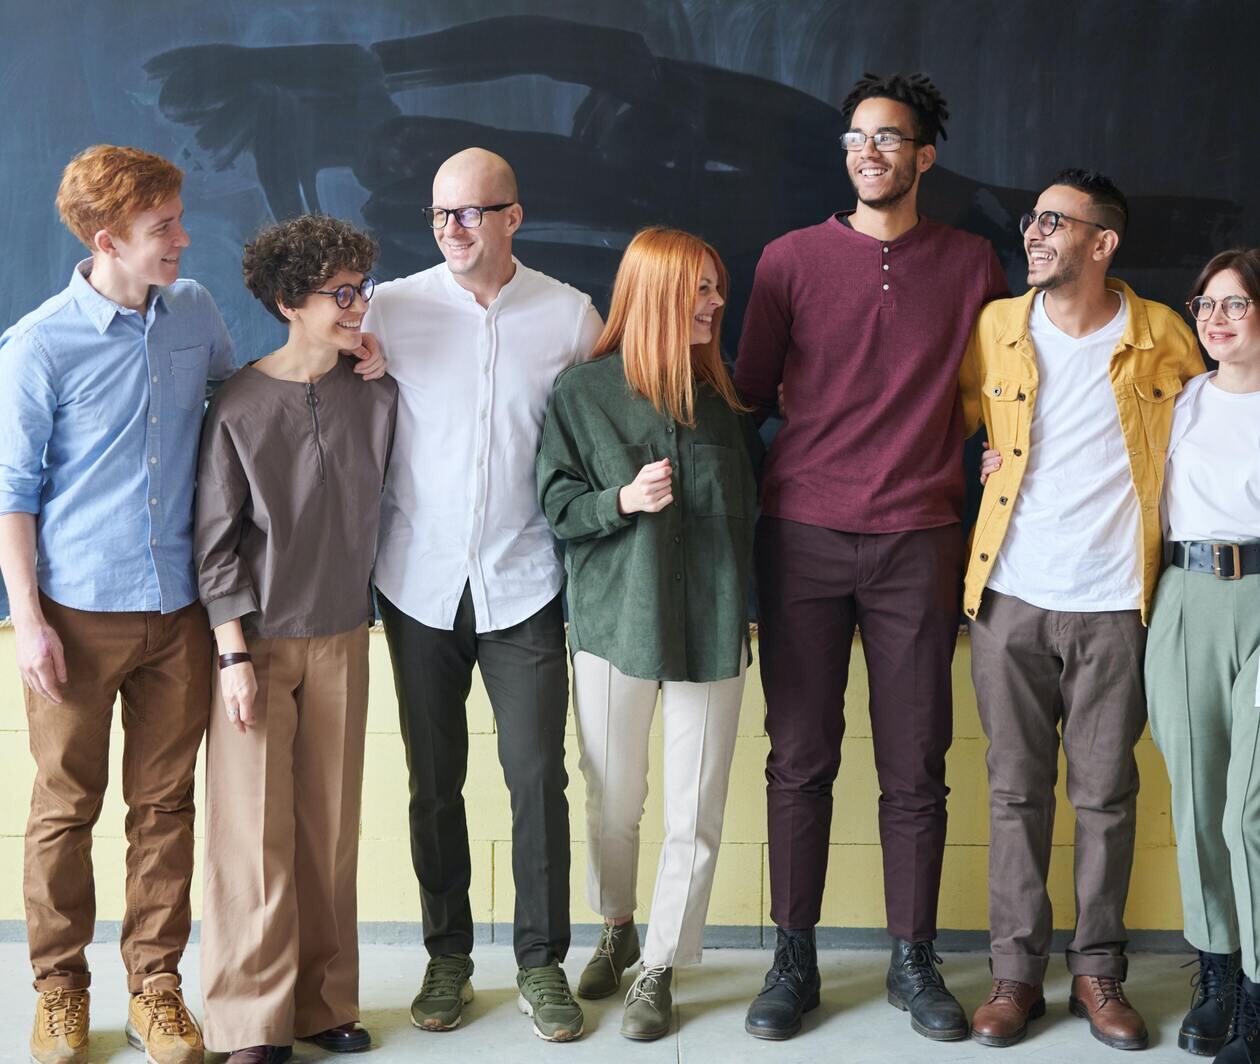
(791,987)
(346,1038)
(1206,1025)
(916,987)
(1243,1046)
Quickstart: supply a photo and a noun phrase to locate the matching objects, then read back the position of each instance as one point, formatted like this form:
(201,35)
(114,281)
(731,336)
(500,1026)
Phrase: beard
(902,183)
(1065,272)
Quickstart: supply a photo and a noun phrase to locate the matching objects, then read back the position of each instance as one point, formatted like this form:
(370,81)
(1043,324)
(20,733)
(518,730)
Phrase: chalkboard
(718,116)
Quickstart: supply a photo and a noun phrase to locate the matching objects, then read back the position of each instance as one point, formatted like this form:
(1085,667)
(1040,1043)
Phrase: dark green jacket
(662,596)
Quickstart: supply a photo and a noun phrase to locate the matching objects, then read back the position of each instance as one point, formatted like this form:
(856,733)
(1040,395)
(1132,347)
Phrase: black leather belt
(1225,561)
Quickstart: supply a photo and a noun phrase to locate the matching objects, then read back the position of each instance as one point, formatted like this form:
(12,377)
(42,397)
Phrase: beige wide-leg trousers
(279,945)
(614,716)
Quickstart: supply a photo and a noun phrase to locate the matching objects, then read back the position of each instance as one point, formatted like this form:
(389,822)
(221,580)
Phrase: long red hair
(653,304)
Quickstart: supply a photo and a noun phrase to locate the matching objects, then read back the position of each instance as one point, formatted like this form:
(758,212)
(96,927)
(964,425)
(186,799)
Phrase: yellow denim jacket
(1156,355)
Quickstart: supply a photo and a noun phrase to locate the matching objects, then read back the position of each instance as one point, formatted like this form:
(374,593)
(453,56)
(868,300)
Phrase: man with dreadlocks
(862,321)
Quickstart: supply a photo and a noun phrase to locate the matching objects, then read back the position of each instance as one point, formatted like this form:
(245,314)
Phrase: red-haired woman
(645,473)
(1202,656)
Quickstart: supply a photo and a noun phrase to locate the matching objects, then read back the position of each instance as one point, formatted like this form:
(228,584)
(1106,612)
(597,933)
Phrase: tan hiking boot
(159,1023)
(61,1027)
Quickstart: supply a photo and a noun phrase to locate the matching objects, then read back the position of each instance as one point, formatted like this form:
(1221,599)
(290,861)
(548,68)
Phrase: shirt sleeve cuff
(18,502)
(231,606)
(610,517)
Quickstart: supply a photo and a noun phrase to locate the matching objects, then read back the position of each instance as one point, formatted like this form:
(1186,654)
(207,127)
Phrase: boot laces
(1246,1015)
(166,1011)
(1212,980)
(1005,988)
(607,944)
(1107,988)
(645,987)
(920,965)
(63,1012)
(789,964)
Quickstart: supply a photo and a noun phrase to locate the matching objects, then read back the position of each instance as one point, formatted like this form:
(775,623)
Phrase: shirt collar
(99,310)
(459,292)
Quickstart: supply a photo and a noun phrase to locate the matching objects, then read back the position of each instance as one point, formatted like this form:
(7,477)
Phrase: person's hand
(41,658)
(650,492)
(990,462)
(372,364)
(239,687)
(782,408)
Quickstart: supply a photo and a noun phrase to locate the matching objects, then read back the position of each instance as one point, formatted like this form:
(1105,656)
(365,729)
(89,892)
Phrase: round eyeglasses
(468,217)
(344,294)
(855,140)
(1049,221)
(1203,307)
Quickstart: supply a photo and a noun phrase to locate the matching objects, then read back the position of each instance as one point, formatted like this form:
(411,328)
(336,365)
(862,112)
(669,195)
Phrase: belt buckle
(1235,555)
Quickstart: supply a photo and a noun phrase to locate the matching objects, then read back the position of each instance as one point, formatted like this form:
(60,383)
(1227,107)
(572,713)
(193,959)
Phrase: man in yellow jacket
(1074,382)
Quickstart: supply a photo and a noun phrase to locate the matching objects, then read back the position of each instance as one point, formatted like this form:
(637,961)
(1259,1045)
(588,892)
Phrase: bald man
(467,574)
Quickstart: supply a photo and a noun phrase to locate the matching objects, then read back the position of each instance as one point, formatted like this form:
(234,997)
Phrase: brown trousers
(1033,670)
(279,935)
(160,664)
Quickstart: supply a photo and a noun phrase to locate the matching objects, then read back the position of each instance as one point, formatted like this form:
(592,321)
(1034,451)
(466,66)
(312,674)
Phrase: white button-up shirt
(461,501)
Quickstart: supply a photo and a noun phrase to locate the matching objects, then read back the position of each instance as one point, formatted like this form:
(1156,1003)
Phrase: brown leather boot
(1003,1019)
(1112,1020)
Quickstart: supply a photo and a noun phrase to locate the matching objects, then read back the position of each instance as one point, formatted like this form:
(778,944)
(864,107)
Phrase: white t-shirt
(1073,542)
(1212,488)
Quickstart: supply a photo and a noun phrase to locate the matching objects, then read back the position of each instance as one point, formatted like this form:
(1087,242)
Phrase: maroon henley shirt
(867,337)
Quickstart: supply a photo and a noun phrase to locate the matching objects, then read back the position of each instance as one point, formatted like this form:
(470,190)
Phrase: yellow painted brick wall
(854,898)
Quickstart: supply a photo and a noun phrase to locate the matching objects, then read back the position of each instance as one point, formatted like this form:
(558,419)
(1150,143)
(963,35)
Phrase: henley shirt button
(885,288)
(885,265)
(885,251)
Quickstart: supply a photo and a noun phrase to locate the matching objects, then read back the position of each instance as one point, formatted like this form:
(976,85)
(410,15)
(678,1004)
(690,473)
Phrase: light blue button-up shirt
(100,418)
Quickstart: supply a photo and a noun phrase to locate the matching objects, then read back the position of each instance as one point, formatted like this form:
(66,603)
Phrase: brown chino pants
(1035,670)
(903,590)
(160,664)
(279,932)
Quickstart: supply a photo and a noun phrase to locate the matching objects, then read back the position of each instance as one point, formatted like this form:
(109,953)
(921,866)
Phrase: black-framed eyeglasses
(1203,307)
(855,140)
(344,293)
(468,217)
(1048,222)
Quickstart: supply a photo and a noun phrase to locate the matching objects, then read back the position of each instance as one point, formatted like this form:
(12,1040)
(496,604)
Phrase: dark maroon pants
(903,590)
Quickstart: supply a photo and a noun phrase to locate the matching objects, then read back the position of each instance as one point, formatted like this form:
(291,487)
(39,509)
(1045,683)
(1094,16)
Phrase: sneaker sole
(561,1035)
(136,1042)
(950,1034)
(1076,1008)
(1199,1045)
(465,996)
(1001,1041)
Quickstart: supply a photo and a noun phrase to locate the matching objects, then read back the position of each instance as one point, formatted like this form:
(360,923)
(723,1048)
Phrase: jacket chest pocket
(188,376)
(716,481)
(1155,396)
(1006,404)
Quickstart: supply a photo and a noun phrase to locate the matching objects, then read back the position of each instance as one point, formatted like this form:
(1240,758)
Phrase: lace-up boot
(1003,1019)
(790,990)
(915,986)
(649,1005)
(618,948)
(159,1023)
(1112,1020)
(1206,1026)
(1243,1046)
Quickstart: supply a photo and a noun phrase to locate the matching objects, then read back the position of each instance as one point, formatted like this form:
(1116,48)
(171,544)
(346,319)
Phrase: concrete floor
(854,1024)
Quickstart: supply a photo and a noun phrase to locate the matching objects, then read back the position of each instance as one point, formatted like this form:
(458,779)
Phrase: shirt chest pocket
(1006,403)
(188,367)
(717,482)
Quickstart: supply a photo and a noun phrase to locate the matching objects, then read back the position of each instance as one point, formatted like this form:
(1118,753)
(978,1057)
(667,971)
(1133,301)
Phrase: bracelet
(237,657)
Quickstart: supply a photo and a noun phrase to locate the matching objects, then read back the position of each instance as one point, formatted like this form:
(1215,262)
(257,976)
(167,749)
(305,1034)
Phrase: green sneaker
(648,1005)
(546,997)
(618,948)
(446,989)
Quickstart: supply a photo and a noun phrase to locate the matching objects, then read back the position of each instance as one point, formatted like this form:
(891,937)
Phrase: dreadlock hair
(1102,193)
(916,91)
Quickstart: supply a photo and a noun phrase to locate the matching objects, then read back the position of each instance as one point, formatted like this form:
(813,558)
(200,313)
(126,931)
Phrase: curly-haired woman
(293,457)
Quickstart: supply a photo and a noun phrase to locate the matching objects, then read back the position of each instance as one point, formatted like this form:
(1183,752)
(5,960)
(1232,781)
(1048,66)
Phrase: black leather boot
(791,987)
(916,987)
(1243,1046)
(1206,1025)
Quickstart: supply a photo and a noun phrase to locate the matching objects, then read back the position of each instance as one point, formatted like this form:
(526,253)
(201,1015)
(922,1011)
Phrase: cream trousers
(614,716)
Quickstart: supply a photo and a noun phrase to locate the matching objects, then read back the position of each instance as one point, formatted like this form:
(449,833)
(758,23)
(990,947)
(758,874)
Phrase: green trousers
(1201,659)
